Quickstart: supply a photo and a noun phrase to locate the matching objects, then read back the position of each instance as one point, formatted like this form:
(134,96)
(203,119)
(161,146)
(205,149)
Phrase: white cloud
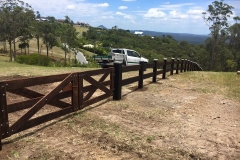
(154,13)
(176,15)
(71,7)
(122,7)
(102,5)
(166,3)
(107,17)
(195,12)
(174,6)
(126,16)
(120,14)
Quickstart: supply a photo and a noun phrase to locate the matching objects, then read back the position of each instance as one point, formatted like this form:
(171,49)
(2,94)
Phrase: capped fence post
(188,65)
(177,66)
(195,68)
(112,80)
(75,92)
(80,90)
(182,60)
(185,65)
(117,81)
(191,66)
(154,79)
(141,71)
(4,125)
(172,66)
(164,68)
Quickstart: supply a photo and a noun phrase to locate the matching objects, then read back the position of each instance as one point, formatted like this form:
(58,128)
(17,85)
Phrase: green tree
(237,18)
(36,30)
(16,18)
(216,19)
(50,34)
(68,35)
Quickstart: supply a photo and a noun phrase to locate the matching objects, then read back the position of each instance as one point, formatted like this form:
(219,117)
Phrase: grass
(80,30)
(225,83)
(14,68)
(91,125)
(56,52)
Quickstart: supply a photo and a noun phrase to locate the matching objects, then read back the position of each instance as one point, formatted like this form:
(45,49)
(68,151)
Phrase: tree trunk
(4,47)
(212,56)
(10,47)
(65,51)
(14,50)
(38,46)
(47,51)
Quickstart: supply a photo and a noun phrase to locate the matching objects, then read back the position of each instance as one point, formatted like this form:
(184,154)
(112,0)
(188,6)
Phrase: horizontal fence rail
(78,87)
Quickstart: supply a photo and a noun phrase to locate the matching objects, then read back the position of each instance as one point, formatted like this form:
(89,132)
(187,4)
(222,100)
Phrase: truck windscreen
(117,51)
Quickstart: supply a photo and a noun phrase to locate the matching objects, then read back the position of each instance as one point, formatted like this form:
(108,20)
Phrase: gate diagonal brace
(35,108)
(89,95)
(97,84)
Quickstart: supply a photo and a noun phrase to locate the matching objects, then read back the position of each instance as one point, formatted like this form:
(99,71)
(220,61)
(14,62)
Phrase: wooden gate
(70,93)
(88,86)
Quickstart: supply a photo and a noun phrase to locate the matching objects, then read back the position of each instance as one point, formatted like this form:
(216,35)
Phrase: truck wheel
(104,66)
(124,64)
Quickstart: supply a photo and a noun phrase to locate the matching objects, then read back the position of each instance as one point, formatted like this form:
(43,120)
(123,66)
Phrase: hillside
(193,115)
(190,38)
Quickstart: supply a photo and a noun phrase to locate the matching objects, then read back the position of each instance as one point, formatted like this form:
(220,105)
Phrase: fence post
(117,81)
(141,71)
(80,91)
(182,60)
(191,66)
(177,66)
(4,125)
(112,80)
(188,65)
(75,92)
(164,68)
(172,66)
(154,79)
(185,65)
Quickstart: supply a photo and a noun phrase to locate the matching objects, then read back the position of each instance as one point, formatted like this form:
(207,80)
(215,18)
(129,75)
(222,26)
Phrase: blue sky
(178,16)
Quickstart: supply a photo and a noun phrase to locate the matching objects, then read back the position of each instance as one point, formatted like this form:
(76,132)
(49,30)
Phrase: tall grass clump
(225,83)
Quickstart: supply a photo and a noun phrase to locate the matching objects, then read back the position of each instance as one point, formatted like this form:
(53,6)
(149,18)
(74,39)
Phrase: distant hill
(102,27)
(190,38)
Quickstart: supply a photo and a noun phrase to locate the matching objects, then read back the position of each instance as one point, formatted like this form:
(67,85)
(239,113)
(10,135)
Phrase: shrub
(21,59)
(34,59)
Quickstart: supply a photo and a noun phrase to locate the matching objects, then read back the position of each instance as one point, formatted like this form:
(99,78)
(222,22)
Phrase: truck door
(137,57)
(131,60)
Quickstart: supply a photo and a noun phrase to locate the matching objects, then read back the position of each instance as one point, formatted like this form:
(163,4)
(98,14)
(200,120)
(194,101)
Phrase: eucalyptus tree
(216,19)
(68,35)
(3,36)
(36,31)
(236,18)
(16,17)
(234,40)
(50,34)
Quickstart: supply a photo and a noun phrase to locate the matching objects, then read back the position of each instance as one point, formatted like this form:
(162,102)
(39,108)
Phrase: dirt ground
(169,119)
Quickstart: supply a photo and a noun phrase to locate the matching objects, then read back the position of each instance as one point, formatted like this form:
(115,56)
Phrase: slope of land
(190,38)
(193,115)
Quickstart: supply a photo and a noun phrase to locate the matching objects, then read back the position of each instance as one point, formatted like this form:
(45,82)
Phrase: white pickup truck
(126,56)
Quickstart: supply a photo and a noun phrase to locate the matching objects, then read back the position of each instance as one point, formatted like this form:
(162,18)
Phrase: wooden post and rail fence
(78,87)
